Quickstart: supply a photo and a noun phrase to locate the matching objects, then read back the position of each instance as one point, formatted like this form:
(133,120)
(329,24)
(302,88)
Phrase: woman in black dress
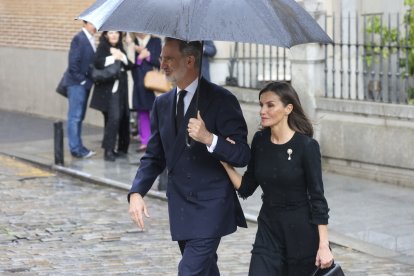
(292,234)
(111,98)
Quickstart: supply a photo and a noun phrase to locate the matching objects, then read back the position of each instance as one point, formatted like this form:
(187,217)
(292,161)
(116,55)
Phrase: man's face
(174,64)
(90,28)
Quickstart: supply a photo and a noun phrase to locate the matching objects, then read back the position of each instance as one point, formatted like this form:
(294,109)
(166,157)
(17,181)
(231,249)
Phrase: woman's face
(272,110)
(140,35)
(113,37)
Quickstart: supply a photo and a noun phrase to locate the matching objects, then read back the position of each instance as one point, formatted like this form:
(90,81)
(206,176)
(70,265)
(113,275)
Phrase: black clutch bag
(334,270)
(106,74)
(61,89)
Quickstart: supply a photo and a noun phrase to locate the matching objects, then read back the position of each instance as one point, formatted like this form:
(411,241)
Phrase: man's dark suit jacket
(202,202)
(81,55)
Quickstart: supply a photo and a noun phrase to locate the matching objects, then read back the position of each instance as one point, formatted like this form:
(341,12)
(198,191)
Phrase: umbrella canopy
(275,22)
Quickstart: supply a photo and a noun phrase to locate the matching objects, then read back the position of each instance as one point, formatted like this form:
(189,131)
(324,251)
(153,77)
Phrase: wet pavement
(52,224)
(374,218)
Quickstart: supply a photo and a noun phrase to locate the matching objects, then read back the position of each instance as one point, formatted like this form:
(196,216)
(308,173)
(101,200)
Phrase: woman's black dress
(287,238)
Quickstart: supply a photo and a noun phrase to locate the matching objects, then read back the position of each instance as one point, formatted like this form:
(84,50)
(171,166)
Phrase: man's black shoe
(120,154)
(109,156)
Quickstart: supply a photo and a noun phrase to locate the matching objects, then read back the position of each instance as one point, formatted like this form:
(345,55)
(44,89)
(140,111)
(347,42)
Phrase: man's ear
(190,61)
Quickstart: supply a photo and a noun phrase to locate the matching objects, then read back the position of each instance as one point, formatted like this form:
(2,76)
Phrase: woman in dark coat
(147,54)
(292,233)
(112,97)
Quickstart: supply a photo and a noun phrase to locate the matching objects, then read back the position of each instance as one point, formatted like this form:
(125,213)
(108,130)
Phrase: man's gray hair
(191,48)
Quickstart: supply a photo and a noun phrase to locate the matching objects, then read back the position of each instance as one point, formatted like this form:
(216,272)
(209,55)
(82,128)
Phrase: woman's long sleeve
(313,172)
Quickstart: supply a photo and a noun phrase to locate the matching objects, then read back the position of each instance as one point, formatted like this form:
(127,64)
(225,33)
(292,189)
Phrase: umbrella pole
(188,141)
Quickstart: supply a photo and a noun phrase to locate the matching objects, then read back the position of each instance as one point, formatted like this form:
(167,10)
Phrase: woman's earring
(289,151)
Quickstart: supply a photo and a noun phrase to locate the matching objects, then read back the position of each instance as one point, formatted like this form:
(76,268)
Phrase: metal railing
(253,65)
(370,59)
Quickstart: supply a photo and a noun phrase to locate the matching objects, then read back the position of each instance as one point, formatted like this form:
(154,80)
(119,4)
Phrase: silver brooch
(289,151)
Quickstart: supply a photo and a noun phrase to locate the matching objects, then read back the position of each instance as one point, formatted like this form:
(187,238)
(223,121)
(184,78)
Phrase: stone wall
(362,139)
(367,139)
(28,78)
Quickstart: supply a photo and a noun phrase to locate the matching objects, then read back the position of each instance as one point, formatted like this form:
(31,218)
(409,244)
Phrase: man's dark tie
(180,110)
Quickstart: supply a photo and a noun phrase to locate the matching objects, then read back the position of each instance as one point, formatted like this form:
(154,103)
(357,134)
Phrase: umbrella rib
(95,20)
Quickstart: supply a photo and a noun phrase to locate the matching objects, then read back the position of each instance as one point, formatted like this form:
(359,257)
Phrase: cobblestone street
(55,225)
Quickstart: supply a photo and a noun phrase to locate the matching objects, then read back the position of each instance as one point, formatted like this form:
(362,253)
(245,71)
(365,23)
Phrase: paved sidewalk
(77,236)
(371,217)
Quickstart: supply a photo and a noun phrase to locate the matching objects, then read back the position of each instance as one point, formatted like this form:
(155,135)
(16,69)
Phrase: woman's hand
(116,53)
(225,165)
(234,176)
(144,54)
(138,48)
(231,141)
(324,257)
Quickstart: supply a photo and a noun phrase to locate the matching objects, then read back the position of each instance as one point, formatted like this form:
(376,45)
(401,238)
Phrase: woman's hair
(297,119)
(104,39)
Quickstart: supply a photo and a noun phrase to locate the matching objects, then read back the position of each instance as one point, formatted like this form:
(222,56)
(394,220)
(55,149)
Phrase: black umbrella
(276,22)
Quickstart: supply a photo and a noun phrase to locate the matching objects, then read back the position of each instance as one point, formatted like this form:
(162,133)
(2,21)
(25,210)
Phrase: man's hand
(136,208)
(197,130)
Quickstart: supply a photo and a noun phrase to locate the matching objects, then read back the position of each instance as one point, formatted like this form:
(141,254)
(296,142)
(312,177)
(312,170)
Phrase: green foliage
(386,41)
(387,37)
(411,95)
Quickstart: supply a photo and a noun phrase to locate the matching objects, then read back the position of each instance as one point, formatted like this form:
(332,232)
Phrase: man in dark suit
(209,51)
(81,55)
(202,202)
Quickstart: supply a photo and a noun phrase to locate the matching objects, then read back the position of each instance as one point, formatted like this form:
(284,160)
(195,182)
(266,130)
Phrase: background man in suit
(81,55)
(209,51)
(202,203)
